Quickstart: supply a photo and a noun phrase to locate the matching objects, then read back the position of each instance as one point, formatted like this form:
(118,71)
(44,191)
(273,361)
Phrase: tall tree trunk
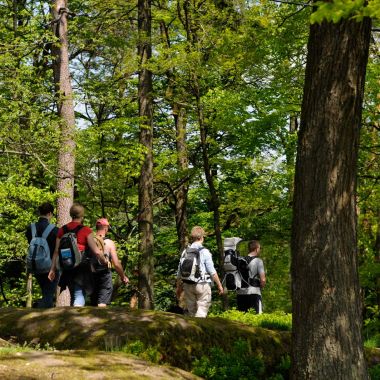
(146,262)
(66,155)
(214,196)
(183,165)
(179,112)
(326,337)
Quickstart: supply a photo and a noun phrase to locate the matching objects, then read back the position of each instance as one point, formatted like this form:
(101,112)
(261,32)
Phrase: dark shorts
(249,301)
(102,288)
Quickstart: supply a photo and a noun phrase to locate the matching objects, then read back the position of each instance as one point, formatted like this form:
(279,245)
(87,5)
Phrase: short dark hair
(45,208)
(253,245)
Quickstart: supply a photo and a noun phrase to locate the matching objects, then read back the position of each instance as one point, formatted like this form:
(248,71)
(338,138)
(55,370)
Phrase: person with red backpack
(77,276)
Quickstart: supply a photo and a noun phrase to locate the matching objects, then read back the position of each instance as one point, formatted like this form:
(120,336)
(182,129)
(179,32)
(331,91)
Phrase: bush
(237,364)
(374,372)
(274,321)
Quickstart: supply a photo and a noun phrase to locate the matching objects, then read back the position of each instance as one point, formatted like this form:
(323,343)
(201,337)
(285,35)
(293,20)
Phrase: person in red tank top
(79,280)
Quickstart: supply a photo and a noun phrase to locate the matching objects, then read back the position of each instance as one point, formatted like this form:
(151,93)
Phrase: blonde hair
(77,211)
(197,233)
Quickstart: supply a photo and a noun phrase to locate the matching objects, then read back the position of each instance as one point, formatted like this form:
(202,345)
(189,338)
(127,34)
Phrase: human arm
(116,262)
(216,279)
(53,268)
(209,266)
(262,274)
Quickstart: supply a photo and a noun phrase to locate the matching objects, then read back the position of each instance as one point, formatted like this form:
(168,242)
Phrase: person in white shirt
(198,294)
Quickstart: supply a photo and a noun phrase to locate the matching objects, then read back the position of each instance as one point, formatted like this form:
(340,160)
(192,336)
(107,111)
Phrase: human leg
(105,288)
(203,292)
(242,302)
(48,289)
(257,303)
(190,298)
(78,295)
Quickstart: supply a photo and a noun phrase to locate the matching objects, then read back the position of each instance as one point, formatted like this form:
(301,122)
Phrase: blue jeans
(78,295)
(48,289)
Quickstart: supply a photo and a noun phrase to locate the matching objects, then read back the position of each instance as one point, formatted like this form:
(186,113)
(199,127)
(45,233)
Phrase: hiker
(196,273)
(39,229)
(250,297)
(79,279)
(103,286)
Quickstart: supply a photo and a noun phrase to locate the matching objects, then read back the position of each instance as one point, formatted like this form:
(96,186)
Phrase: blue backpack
(38,258)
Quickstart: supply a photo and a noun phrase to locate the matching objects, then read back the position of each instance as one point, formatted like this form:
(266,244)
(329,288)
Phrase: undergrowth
(273,321)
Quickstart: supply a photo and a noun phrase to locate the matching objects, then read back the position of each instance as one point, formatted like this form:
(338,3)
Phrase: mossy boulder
(179,339)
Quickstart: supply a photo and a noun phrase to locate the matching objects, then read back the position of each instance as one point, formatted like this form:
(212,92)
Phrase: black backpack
(244,272)
(68,252)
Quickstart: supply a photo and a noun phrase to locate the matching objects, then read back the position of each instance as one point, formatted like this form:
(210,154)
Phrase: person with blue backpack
(196,273)
(41,237)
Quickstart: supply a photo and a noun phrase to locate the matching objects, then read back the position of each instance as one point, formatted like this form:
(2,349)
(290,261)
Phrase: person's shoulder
(204,250)
(86,230)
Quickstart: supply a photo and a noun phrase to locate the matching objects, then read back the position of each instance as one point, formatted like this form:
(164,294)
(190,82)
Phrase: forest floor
(78,365)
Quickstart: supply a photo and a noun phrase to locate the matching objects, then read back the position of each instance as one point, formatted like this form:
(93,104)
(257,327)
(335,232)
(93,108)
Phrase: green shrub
(237,364)
(138,348)
(374,372)
(273,321)
(373,342)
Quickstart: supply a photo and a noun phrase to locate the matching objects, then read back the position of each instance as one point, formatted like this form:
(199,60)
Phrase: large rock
(179,339)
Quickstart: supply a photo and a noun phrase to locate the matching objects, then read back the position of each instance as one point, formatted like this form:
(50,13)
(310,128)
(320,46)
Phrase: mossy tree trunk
(65,105)
(145,219)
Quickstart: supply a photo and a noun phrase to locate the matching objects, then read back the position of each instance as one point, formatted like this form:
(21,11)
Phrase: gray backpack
(189,265)
(38,258)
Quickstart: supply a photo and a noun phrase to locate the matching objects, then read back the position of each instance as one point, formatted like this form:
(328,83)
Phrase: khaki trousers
(198,299)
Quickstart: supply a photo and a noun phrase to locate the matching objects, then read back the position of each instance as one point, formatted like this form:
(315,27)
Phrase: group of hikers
(74,257)
(196,274)
(89,275)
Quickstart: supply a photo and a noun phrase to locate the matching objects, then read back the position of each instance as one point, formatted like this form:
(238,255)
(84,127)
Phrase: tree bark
(145,220)
(183,165)
(214,196)
(66,155)
(327,323)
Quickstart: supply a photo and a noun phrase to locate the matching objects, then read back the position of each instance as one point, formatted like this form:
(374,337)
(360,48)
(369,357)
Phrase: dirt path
(78,365)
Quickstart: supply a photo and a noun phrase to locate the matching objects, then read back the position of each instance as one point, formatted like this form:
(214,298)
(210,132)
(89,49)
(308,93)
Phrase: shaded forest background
(227,82)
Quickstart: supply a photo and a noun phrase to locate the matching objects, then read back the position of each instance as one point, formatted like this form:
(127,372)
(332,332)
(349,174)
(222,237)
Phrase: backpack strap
(75,230)
(33,230)
(47,230)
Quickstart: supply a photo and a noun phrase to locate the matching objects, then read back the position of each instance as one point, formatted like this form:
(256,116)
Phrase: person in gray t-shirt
(250,297)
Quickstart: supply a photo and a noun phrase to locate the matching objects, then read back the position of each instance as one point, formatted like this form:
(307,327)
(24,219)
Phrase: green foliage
(337,10)
(374,372)
(237,364)
(139,349)
(274,321)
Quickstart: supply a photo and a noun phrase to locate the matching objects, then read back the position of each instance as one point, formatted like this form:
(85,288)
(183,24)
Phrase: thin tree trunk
(183,165)
(327,323)
(179,115)
(29,290)
(146,262)
(66,155)
(214,197)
